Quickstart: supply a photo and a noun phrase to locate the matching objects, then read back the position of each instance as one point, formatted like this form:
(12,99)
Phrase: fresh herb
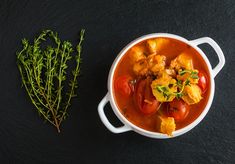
(167,93)
(178,95)
(161,88)
(179,83)
(194,77)
(187,82)
(193,74)
(164,90)
(181,73)
(44,75)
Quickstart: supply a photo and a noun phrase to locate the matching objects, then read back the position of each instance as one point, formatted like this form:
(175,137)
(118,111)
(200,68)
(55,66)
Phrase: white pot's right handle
(217,49)
(104,119)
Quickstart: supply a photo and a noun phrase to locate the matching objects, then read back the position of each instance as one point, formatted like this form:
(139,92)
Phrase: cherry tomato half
(202,82)
(144,98)
(123,86)
(177,109)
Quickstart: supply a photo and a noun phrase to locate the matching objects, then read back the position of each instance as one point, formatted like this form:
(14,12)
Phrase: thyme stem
(75,74)
(43,73)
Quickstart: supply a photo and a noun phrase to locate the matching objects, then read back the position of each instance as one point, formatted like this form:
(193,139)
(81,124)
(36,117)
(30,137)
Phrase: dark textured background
(110,25)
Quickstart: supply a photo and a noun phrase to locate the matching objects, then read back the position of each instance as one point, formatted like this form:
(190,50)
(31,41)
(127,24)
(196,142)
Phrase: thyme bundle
(43,73)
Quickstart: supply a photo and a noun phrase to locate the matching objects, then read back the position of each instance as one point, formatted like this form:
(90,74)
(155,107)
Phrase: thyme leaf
(193,74)
(187,82)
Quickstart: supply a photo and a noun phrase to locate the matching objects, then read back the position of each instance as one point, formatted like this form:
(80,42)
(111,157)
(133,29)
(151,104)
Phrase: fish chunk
(152,64)
(156,63)
(183,61)
(155,45)
(166,125)
(136,53)
(141,67)
(163,87)
(192,94)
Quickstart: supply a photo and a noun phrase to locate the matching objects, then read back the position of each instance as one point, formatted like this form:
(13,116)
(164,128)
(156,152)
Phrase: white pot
(109,97)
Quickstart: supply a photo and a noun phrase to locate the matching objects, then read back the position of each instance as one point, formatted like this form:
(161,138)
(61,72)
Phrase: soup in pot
(161,85)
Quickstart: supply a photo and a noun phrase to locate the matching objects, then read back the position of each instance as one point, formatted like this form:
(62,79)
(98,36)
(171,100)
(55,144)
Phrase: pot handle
(104,119)
(217,49)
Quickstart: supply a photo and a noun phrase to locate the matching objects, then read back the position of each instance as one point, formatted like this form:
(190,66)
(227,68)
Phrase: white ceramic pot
(109,97)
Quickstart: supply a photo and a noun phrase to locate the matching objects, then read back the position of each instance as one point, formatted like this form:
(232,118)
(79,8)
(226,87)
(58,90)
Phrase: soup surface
(161,85)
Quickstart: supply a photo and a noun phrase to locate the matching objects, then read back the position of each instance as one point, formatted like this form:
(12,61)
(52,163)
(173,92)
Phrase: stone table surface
(110,25)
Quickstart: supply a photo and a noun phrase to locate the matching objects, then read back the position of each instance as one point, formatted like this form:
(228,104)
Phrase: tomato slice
(177,109)
(144,98)
(202,82)
(123,86)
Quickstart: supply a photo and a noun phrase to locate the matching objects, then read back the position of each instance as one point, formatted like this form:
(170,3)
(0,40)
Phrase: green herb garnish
(179,83)
(178,95)
(167,93)
(187,82)
(193,74)
(44,75)
(164,90)
(181,73)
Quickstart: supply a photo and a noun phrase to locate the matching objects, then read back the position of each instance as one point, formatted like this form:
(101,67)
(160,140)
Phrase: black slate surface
(110,25)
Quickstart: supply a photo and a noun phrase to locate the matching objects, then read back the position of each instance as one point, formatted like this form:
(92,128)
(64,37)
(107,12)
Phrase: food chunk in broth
(163,87)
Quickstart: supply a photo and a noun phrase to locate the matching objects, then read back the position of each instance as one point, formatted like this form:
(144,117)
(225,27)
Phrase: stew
(161,85)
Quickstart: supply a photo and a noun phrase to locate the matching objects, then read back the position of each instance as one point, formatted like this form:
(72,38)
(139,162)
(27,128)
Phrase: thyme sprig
(43,73)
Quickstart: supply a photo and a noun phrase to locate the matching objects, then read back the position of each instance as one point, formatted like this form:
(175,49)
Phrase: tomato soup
(161,78)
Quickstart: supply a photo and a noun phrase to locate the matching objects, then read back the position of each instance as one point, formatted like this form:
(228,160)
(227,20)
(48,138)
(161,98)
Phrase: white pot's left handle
(104,119)
(217,49)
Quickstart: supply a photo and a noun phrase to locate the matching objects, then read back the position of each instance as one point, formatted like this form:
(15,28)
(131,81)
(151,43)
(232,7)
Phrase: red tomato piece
(144,98)
(202,82)
(177,109)
(123,86)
